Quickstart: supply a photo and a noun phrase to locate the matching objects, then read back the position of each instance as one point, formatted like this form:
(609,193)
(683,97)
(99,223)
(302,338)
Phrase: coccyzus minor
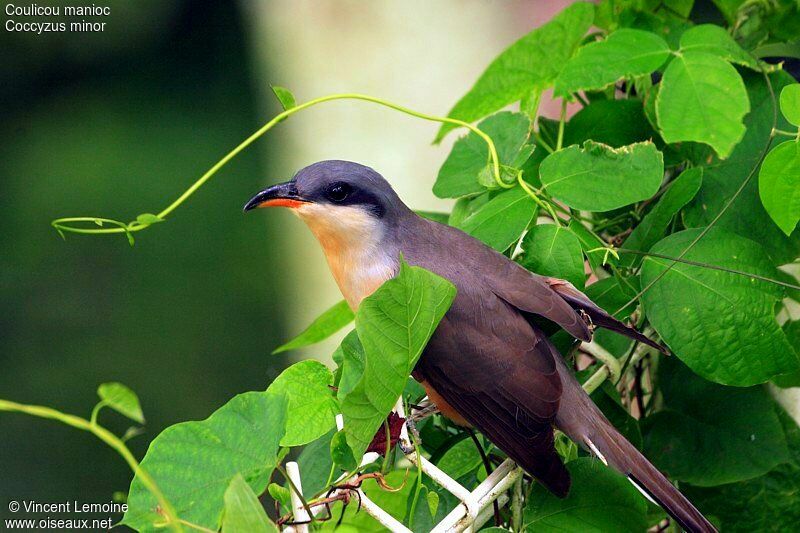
(488,364)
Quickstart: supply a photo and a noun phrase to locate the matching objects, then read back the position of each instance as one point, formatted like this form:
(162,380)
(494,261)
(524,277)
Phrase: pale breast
(358,277)
(352,242)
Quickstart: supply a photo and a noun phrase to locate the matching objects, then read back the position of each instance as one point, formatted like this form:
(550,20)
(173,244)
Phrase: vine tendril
(144,221)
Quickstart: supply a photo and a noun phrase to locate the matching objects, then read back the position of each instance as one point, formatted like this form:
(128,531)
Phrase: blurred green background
(116,124)
(120,123)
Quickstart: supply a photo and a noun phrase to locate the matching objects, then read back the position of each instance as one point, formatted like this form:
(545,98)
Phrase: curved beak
(280,195)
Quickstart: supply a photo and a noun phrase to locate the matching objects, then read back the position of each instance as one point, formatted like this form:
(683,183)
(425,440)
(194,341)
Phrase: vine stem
(710,267)
(562,120)
(128,228)
(597,379)
(544,205)
(111,440)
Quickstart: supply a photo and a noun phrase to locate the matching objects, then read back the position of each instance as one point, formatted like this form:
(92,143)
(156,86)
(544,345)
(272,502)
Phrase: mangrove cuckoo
(489,364)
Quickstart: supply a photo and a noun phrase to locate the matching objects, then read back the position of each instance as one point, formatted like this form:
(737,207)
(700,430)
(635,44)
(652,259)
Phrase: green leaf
(720,324)
(710,434)
(612,122)
(459,175)
(590,244)
(280,494)
(597,177)
(436,216)
(767,503)
(721,179)
(599,500)
(462,459)
(653,226)
(394,325)
(790,103)
(146,219)
(312,408)
(433,502)
(779,185)
(315,465)
(464,207)
(194,462)
(121,399)
(624,54)
(682,8)
(243,512)
(702,98)
(712,39)
(533,62)
(341,454)
(502,220)
(321,328)
(284,96)
(555,251)
(352,365)
(792,332)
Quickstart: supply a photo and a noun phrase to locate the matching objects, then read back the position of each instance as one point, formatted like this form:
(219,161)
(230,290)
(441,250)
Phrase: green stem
(386,465)
(540,140)
(597,379)
(95,412)
(127,228)
(111,440)
(418,489)
(544,205)
(561,122)
(296,490)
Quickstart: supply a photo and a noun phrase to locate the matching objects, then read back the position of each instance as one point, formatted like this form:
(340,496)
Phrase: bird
(489,364)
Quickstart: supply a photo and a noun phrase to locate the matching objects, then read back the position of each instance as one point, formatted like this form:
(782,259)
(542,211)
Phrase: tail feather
(598,317)
(584,423)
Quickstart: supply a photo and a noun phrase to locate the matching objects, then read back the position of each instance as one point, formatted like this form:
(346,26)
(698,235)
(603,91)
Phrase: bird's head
(340,201)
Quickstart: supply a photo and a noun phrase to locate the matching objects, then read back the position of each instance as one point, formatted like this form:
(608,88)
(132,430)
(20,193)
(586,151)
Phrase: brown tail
(584,423)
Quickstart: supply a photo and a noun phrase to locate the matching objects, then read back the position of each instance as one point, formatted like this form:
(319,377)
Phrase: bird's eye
(338,192)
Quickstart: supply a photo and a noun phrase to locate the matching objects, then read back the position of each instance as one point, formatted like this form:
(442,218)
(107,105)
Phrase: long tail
(584,423)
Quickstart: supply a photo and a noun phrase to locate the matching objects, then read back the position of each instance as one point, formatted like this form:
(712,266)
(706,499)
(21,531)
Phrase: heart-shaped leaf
(596,177)
(312,407)
(394,325)
(722,325)
(709,434)
(626,53)
(554,251)
(193,463)
(713,39)
(600,499)
(243,512)
(779,185)
(790,103)
(121,399)
(702,98)
(500,222)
